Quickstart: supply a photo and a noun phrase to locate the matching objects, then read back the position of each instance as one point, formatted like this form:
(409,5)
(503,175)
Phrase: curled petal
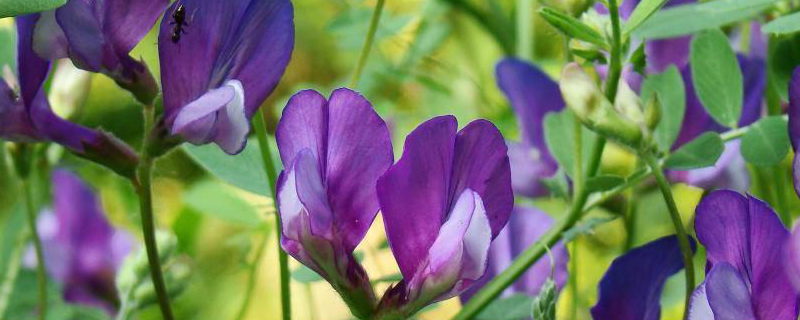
(218,116)
(728,294)
(631,288)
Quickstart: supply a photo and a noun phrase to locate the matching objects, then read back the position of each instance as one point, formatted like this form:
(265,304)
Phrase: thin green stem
(272,177)
(615,70)
(525,29)
(252,278)
(41,274)
(12,271)
(573,281)
(779,177)
(373,29)
(144,186)
(683,238)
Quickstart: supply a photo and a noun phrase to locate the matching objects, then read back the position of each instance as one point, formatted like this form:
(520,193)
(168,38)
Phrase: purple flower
(532,95)
(82,251)
(98,35)
(745,278)
(443,202)
(525,226)
(220,69)
(31,119)
(631,288)
(792,257)
(334,151)
(794,125)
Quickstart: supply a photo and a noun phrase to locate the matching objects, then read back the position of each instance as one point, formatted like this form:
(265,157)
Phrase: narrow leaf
(214,199)
(603,182)
(783,25)
(559,133)
(691,18)
(643,11)
(766,143)
(701,152)
(572,27)
(305,275)
(717,77)
(13,8)
(672,95)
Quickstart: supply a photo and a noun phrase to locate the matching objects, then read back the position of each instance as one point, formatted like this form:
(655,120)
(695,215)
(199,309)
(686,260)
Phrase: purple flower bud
(333,151)
(219,62)
(443,203)
(98,35)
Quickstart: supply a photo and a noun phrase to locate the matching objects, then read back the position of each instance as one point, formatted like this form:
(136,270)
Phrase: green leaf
(8,51)
(717,76)
(572,27)
(559,133)
(244,170)
(672,95)
(515,307)
(603,183)
(784,56)
(13,8)
(557,184)
(585,228)
(783,25)
(643,11)
(698,153)
(304,274)
(390,278)
(544,304)
(214,199)
(639,59)
(691,18)
(766,143)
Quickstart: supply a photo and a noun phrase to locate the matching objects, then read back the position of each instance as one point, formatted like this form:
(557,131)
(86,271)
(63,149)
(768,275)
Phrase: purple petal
(126,22)
(525,226)
(730,171)
(792,264)
(353,148)
(532,95)
(413,193)
(14,122)
(216,116)
(247,40)
(747,234)
(81,21)
(728,295)
(359,152)
(698,305)
(481,164)
(302,195)
(665,52)
(754,71)
(49,40)
(794,109)
(631,288)
(528,168)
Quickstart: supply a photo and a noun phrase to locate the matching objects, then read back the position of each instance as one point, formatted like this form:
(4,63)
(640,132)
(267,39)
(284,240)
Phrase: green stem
(782,206)
(41,274)
(525,29)
(373,29)
(683,238)
(573,280)
(144,186)
(272,178)
(252,279)
(12,271)
(528,257)
(615,70)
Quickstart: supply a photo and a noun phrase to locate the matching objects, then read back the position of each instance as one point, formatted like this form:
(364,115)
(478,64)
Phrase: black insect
(179,21)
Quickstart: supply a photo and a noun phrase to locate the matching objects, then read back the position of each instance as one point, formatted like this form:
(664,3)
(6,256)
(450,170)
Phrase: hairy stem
(683,238)
(373,29)
(272,177)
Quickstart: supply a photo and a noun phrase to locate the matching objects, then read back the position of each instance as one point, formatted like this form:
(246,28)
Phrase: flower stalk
(373,29)
(272,177)
(41,274)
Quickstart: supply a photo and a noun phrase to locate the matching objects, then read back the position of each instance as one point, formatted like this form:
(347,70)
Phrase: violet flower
(333,151)
(631,288)
(532,95)
(794,125)
(525,226)
(222,66)
(82,251)
(745,275)
(443,203)
(27,117)
(98,35)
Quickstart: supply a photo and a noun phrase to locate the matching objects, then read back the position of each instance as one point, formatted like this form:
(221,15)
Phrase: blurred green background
(429,59)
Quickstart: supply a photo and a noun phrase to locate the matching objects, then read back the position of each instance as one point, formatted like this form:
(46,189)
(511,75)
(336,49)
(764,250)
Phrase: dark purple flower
(794,125)
(82,250)
(222,68)
(745,278)
(98,35)
(631,288)
(525,226)
(532,95)
(32,119)
(443,202)
(333,151)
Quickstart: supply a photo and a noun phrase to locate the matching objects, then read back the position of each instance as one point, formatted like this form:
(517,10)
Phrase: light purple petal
(728,294)
(698,305)
(303,125)
(730,171)
(413,193)
(532,94)
(528,169)
(217,116)
(49,41)
(747,234)
(631,288)
(247,40)
(663,53)
(481,164)
(303,193)
(792,258)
